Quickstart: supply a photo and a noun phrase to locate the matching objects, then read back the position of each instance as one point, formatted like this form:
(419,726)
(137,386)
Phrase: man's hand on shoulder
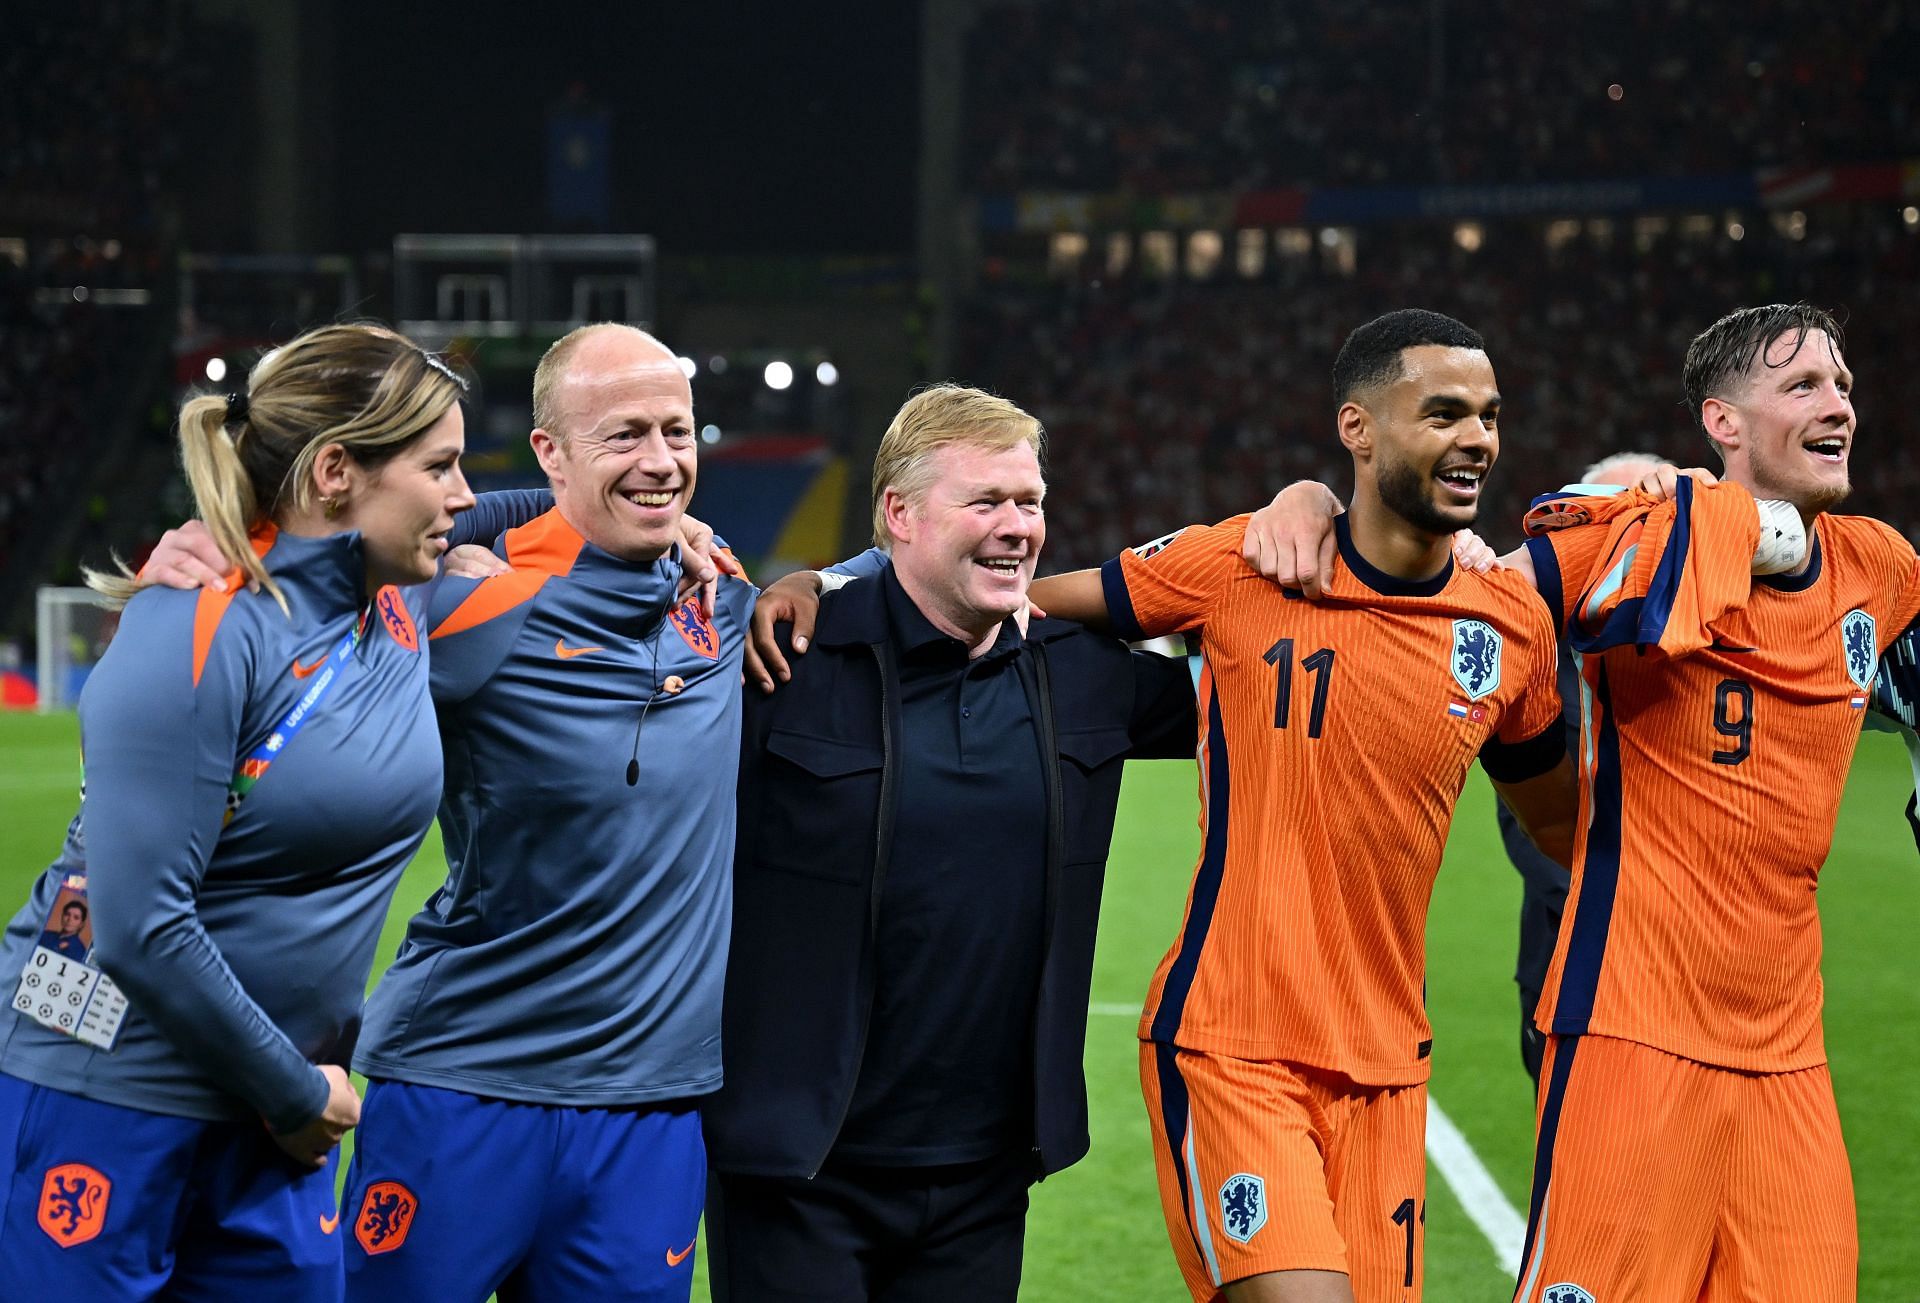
(793,600)
(471,561)
(1291,540)
(1471,552)
(1663,484)
(186,557)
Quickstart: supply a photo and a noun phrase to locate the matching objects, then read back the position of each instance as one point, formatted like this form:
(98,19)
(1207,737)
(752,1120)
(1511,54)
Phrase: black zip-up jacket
(818,777)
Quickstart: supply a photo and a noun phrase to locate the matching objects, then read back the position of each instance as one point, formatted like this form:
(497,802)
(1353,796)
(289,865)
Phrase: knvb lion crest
(73,1203)
(1565,1293)
(1476,657)
(386,1215)
(696,629)
(1243,1206)
(1857,642)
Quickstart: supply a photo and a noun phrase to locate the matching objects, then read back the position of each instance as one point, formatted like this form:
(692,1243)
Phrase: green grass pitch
(1095,1230)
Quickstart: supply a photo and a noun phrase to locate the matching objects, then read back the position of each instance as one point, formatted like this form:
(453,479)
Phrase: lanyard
(261,758)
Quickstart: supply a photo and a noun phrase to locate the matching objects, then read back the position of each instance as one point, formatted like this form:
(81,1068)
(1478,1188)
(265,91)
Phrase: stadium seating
(1152,96)
(1175,400)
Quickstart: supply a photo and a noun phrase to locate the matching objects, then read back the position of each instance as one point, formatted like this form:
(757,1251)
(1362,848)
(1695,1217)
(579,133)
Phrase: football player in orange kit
(1688,1143)
(1285,1047)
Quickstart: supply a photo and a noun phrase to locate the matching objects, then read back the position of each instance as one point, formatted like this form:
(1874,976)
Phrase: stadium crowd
(1091,95)
(1168,402)
(92,101)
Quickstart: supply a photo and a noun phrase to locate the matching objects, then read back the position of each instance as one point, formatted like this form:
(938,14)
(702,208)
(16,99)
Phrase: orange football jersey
(1334,740)
(1710,787)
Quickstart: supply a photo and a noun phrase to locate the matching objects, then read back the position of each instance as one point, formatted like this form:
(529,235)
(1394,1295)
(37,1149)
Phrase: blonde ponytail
(223,491)
(360,385)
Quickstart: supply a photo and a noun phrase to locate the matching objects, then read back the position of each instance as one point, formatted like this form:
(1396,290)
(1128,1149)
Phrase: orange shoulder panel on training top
(538,550)
(1334,740)
(211,606)
(1711,784)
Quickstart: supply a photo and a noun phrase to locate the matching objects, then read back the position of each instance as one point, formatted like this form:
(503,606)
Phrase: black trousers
(870,1234)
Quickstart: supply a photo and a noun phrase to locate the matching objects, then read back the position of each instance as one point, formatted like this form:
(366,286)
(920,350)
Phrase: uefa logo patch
(1857,645)
(1146,550)
(1243,1206)
(1476,657)
(1565,1293)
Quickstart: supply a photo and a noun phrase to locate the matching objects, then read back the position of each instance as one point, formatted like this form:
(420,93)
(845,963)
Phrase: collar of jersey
(1379,580)
(1806,578)
(549,545)
(857,613)
(322,576)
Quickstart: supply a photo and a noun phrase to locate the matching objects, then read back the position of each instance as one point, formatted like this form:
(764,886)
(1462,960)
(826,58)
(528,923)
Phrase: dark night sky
(737,127)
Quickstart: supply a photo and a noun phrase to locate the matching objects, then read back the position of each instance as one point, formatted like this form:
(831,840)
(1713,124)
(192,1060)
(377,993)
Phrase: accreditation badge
(58,988)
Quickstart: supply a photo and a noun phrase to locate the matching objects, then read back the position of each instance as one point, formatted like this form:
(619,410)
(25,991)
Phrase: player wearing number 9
(1686,1075)
(261,765)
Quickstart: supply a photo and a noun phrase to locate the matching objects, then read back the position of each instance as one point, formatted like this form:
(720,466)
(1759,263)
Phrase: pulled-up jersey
(1711,782)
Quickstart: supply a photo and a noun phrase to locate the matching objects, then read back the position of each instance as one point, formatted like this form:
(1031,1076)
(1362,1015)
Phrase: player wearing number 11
(1285,1047)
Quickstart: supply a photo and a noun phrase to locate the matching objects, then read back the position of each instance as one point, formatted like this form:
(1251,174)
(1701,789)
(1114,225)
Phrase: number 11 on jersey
(1319,665)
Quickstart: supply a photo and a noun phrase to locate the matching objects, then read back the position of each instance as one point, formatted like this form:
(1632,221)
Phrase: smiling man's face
(965,547)
(623,459)
(1793,421)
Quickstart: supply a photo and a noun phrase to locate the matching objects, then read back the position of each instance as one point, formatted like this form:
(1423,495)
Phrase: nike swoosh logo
(675,1259)
(329,1224)
(1728,647)
(302,671)
(567,653)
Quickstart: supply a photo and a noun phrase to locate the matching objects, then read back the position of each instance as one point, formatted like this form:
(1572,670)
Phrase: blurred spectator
(1158,96)
(1172,402)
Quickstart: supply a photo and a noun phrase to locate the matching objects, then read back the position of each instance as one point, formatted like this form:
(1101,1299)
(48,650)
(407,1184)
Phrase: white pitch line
(1472,1184)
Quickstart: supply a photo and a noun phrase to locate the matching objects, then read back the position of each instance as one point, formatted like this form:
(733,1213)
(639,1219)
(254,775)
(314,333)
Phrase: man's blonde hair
(553,365)
(938,417)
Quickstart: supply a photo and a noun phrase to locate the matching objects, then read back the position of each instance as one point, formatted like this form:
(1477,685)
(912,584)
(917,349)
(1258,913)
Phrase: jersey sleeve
(1643,573)
(160,752)
(865,566)
(1172,584)
(493,514)
(1539,708)
(472,625)
(1899,568)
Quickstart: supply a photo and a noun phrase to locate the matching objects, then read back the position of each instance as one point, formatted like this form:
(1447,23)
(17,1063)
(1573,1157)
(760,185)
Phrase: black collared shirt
(947,1074)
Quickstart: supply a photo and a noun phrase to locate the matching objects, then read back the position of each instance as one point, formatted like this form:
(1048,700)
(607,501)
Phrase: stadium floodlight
(709,434)
(216,369)
(688,367)
(778,375)
(1911,216)
(827,373)
(717,364)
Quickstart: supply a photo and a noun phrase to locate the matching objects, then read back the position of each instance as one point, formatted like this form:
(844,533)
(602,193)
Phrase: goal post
(72,627)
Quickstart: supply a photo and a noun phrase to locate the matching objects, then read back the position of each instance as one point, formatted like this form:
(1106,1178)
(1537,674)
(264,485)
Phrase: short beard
(1808,502)
(1408,495)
